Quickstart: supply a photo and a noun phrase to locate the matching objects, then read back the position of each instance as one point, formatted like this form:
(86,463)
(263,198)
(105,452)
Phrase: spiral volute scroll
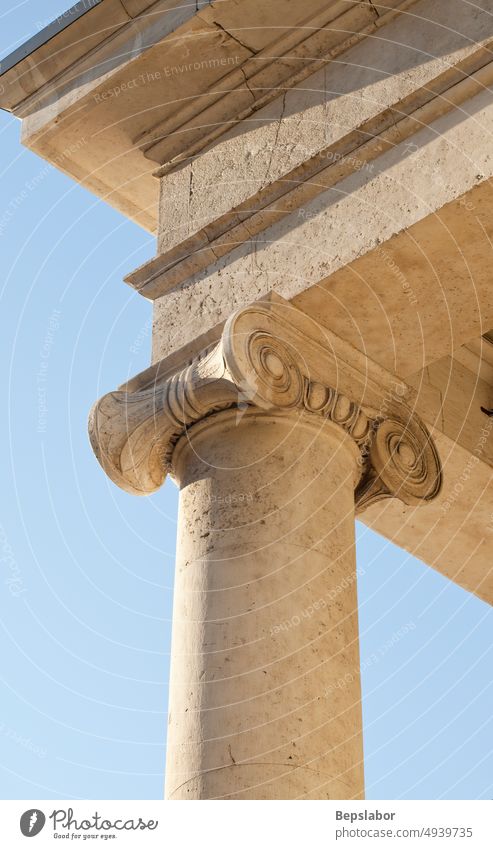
(264,369)
(406,460)
(404,463)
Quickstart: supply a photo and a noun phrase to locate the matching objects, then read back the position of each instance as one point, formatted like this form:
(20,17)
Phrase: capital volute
(273,357)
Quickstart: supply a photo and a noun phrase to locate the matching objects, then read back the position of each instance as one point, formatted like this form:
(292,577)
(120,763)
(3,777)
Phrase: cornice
(306,46)
(328,167)
(101,101)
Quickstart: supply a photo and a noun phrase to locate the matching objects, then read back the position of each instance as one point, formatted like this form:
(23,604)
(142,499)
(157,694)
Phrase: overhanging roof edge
(64,20)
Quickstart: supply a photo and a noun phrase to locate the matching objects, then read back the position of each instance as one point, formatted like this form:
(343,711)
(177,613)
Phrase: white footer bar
(247,825)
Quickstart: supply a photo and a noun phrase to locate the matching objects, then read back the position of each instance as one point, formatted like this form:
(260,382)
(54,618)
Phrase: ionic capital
(271,356)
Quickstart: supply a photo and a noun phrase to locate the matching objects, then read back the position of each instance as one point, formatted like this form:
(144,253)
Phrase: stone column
(275,435)
(265,619)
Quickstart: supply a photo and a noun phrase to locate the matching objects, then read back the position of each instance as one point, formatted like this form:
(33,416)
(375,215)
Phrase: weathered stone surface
(321,111)
(439,206)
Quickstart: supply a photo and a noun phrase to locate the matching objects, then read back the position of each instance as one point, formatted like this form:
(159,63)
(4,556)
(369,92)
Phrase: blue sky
(86,627)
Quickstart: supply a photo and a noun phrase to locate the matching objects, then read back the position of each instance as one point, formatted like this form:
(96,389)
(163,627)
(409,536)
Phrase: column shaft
(265,698)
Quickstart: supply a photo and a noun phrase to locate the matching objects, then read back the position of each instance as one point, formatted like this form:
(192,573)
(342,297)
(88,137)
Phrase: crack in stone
(245,46)
(276,139)
(262,763)
(190,186)
(247,83)
(374,9)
